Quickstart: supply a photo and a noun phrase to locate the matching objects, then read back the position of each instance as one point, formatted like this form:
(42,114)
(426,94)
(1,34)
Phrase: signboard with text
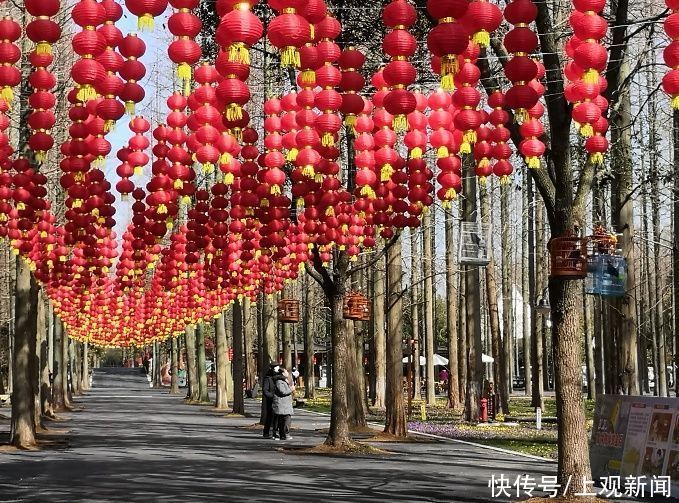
(636,436)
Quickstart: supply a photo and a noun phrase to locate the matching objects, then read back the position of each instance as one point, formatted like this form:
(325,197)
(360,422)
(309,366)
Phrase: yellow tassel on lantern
(7,95)
(184,71)
(264,203)
(86,93)
(533,162)
(448,82)
(239,53)
(225,158)
(169,224)
(299,203)
(675,102)
(109,125)
(482,181)
(386,172)
(319,178)
(178,184)
(350,121)
(416,153)
(208,168)
(328,140)
(591,76)
(162,209)
(234,112)
(291,155)
(308,77)
(129,107)
(442,152)
(145,23)
(465,148)
(275,190)
(521,115)
(449,65)
(290,56)
(505,180)
(124,197)
(228,178)
(400,124)
(40,156)
(330,212)
(469,137)
(587,131)
(308,171)
(597,159)
(481,38)
(368,192)
(185,200)
(43,48)
(450,194)
(138,170)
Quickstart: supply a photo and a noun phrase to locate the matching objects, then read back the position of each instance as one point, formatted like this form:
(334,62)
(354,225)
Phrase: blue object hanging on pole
(606,275)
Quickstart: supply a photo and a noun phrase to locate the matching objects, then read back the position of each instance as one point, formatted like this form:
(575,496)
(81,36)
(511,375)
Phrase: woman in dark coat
(268,389)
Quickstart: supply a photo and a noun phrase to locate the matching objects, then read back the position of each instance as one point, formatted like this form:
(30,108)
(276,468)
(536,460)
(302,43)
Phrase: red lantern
(146,10)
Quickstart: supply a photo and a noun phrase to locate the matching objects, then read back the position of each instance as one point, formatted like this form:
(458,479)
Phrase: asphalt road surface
(130,443)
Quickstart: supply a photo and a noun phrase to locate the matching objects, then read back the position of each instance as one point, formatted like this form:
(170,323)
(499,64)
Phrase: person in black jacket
(268,389)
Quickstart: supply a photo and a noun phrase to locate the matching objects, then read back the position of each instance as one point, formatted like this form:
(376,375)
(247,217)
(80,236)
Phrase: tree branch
(377,256)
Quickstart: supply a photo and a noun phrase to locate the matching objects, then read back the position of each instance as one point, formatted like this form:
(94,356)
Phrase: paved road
(135,444)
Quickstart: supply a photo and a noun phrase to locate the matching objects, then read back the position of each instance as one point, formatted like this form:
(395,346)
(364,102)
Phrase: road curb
(458,441)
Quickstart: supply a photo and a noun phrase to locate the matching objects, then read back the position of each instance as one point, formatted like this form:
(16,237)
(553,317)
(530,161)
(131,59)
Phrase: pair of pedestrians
(277,390)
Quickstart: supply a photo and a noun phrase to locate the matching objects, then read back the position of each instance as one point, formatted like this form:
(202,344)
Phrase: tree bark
(537,350)
(221,352)
(66,372)
(201,370)
(416,302)
(675,239)
(428,264)
(338,435)
(22,429)
(308,334)
(356,400)
(238,359)
(193,390)
(85,366)
(395,411)
(174,366)
(287,345)
(58,388)
(507,300)
(452,313)
(475,369)
(45,385)
(379,303)
(589,346)
(462,338)
(525,288)
(493,311)
(249,337)
(269,347)
(76,367)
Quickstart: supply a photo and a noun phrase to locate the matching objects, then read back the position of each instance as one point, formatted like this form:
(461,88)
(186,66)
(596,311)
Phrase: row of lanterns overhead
(276,196)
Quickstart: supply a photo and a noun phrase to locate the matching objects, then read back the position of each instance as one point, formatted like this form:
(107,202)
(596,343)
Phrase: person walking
(268,392)
(282,403)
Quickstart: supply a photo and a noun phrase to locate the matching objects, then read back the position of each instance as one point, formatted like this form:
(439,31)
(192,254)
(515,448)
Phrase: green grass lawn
(440,420)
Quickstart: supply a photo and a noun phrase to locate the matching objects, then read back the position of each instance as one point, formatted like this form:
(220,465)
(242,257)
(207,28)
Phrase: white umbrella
(438,360)
(487,359)
(423,360)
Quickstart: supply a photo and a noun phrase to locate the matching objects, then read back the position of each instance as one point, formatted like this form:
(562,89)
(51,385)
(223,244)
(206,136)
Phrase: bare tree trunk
(473,308)
(66,356)
(287,345)
(201,370)
(22,433)
(85,367)
(308,329)
(269,346)
(622,210)
(528,201)
(452,314)
(537,350)
(221,353)
(675,243)
(355,394)
(589,346)
(507,300)
(193,391)
(174,366)
(428,263)
(493,314)
(379,302)
(249,337)
(58,389)
(545,355)
(395,411)
(45,385)
(416,267)
(462,338)
(338,435)
(238,359)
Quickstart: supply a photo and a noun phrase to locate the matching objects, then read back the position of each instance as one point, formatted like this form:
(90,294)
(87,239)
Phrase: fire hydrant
(483,413)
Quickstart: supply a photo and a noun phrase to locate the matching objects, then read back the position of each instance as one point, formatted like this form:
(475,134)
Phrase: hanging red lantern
(670,82)
(146,10)
(184,51)
(449,37)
